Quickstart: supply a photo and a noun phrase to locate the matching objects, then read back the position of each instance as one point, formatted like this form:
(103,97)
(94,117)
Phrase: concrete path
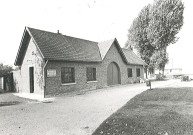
(70,115)
(34,96)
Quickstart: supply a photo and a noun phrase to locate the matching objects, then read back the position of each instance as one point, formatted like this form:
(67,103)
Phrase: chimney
(58,32)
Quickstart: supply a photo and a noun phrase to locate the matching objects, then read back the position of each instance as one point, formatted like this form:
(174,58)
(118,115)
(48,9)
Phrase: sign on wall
(51,72)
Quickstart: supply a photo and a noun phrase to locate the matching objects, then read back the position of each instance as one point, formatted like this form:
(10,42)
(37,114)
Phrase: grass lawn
(161,111)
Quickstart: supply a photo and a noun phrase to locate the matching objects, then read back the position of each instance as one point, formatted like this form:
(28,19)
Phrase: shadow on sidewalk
(9,103)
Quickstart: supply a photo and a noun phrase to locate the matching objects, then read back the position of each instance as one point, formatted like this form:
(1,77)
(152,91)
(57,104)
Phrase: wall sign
(51,72)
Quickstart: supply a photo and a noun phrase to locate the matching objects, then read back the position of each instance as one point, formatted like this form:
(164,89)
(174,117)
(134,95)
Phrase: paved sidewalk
(34,96)
(70,114)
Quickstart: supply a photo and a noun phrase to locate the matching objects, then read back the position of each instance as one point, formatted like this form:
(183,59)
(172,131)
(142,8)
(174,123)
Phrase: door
(31,79)
(113,74)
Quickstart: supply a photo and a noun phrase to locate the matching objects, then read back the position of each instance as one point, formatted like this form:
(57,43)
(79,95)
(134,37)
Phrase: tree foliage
(165,23)
(159,59)
(137,36)
(5,69)
(155,28)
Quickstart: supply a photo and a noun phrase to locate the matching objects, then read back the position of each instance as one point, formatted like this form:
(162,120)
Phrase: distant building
(173,71)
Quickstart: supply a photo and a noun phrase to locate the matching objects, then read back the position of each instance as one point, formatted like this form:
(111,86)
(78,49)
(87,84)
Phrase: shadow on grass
(9,103)
(153,112)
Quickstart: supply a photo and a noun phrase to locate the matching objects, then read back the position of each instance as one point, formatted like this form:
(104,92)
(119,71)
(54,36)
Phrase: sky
(95,20)
(181,53)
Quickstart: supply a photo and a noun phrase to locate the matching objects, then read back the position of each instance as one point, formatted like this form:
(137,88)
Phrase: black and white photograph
(96,67)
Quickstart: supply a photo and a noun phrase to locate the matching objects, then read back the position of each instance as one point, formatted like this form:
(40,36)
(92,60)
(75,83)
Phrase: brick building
(52,63)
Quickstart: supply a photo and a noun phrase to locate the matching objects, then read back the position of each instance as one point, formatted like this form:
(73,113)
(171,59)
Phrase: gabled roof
(132,58)
(54,46)
(105,46)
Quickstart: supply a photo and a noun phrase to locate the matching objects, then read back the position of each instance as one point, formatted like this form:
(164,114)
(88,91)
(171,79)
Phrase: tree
(5,69)
(159,60)
(166,21)
(137,36)
(154,29)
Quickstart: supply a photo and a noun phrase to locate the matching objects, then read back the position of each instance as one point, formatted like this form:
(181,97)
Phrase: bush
(160,77)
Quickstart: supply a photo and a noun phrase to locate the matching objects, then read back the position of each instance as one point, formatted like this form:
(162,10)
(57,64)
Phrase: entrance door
(113,75)
(31,79)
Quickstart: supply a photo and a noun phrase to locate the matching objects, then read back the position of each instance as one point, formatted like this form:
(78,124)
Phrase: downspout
(44,77)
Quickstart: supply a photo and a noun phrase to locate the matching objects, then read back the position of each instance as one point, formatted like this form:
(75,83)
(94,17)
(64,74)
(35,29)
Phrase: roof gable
(104,46)
(22,48)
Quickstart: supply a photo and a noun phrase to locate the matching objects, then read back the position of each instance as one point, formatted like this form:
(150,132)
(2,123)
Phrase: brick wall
(54,85)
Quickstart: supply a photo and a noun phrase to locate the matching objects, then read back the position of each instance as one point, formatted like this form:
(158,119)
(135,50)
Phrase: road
(72,114)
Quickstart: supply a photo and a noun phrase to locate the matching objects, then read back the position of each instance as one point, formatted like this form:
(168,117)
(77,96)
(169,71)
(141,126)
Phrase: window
(51,73)
(138,72)
(91,74)
(130,74)
(67,75)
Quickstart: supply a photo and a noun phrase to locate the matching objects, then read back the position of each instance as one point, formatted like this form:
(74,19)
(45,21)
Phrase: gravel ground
(67,115)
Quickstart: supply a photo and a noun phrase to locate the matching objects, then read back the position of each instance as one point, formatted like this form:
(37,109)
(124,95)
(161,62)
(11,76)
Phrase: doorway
(31,79)
(113,74)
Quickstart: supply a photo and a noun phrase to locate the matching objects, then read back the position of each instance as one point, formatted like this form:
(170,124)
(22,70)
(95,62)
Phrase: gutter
(44,77)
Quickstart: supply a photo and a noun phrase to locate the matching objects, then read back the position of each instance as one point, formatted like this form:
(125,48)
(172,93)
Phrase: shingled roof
(132,58)
(55,46)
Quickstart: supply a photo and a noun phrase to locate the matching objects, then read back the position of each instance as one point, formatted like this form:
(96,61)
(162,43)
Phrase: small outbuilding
(52,63)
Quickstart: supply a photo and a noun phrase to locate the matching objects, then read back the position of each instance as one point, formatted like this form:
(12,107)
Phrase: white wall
(21,77)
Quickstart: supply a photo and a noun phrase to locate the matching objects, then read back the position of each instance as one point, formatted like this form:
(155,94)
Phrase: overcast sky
(95,20)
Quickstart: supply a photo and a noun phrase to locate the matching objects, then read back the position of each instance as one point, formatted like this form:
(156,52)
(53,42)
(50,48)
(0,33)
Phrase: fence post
(148,83)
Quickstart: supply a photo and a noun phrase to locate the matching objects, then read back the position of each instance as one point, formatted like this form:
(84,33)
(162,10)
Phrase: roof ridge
(107,40)
(63,35)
